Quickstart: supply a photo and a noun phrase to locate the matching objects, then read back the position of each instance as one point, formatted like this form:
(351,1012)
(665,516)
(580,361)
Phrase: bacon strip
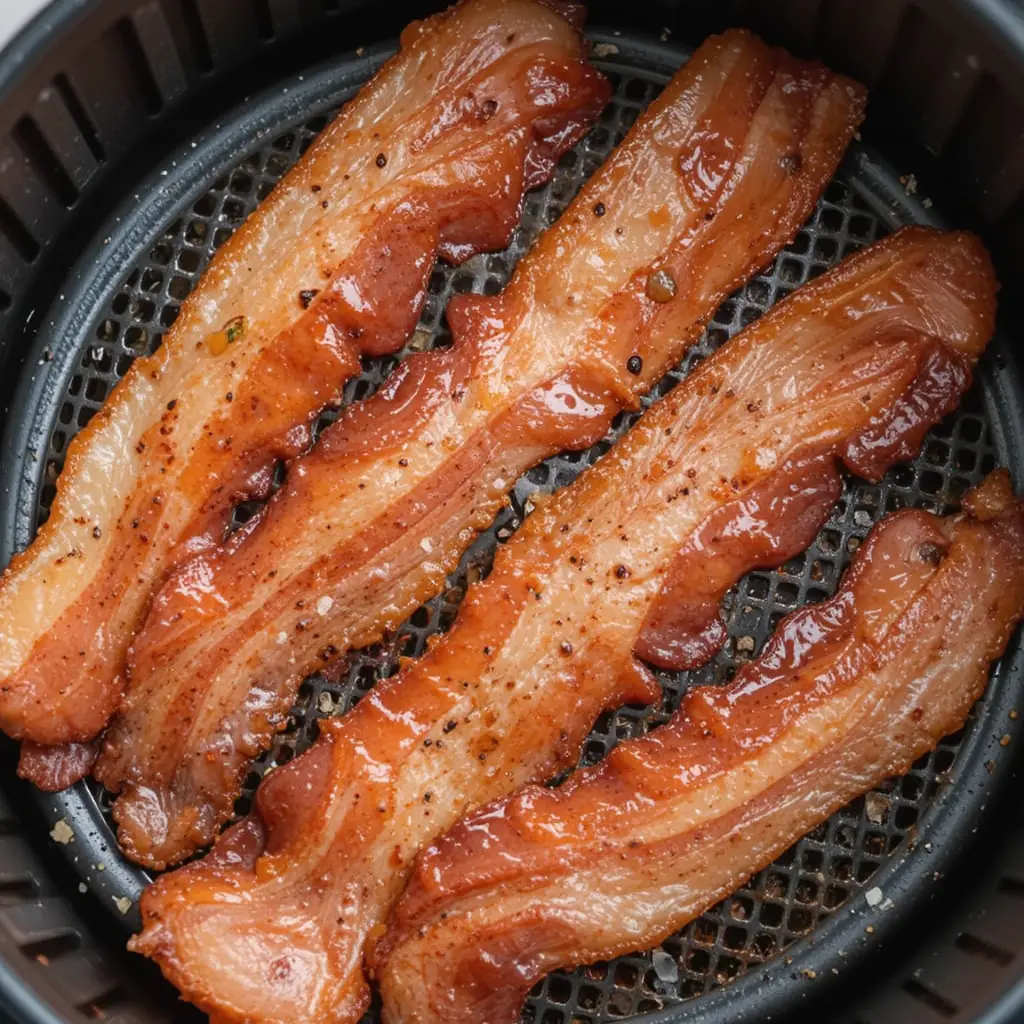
(272,924)
(718,174)
(845,694)
(433,156)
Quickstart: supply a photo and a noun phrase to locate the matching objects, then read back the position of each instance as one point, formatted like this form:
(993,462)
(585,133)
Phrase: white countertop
(14,14)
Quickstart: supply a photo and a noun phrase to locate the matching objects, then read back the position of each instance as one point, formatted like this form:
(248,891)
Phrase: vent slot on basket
(38,152)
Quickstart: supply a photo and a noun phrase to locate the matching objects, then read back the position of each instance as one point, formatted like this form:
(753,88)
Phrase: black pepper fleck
(634,364)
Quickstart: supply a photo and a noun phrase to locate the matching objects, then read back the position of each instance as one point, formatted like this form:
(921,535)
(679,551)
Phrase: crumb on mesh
(62,833)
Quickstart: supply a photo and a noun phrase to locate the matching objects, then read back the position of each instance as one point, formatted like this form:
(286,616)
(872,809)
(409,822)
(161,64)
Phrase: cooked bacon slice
(272,924)
(709,185)
(433,156)
(845,694)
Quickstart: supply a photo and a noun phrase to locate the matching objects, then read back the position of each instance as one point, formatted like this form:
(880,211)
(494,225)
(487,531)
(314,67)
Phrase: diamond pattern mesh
(808,884)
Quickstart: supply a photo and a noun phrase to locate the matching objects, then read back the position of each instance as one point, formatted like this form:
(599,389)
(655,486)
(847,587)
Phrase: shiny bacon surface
(845,694)
(272,925)
(432,157)
(710,183)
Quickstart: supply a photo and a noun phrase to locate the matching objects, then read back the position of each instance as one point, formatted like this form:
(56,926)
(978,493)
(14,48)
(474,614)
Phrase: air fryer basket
(118,194)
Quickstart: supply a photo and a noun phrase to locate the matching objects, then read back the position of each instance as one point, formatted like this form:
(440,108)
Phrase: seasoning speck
(873,897)
(381,160)
(661,286)
(324,605)
(605,50)
(599,210)
(282,637)
(877,806)
(634,364)
(792,162)
(745,644)
(426,545)
(325,703)
(62,833)
(307,295)
(82,887)
(122,903)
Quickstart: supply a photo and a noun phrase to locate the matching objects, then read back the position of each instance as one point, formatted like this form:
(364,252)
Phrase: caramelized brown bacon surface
(845,694)
(272,925)
(710,183)
(433,156)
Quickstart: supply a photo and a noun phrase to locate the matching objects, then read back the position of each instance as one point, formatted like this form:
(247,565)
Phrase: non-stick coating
(806,918)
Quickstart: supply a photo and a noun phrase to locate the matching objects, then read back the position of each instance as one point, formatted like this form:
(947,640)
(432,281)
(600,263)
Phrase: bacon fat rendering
(844,695)
(711,182)
(272,925)
(432,157)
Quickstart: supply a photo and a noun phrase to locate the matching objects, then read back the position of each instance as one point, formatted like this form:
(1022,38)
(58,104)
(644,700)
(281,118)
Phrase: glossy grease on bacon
(704,191)
(845,694)
(272,925)
(433,156)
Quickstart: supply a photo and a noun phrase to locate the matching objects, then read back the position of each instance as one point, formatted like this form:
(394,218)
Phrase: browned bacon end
(432,157)
(845,694)
(704,190)
(548,639)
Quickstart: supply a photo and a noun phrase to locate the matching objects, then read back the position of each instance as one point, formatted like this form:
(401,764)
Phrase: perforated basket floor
(840,889)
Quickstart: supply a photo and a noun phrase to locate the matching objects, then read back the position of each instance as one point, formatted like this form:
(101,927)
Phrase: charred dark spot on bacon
(931,553)
(307,295)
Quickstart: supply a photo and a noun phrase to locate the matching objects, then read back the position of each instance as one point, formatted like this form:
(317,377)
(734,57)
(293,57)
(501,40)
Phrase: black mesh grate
(822,872)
